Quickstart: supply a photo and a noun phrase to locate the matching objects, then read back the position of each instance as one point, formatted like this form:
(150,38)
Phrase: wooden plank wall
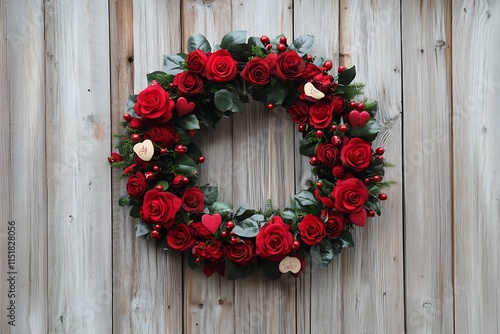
(429,265)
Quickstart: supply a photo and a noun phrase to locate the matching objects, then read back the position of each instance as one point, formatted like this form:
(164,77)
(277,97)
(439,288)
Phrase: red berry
(360,106)
(185,180)
(154,82)
(376,178)
(371,213)
(353,105)
(283,39)
(181,149)
(269,47)
(223,234)
(159,188)
(313,160)
(333,128)
(382,196)
(149,175)
(367,180)
(319,185)
(319,133)
(157,227)
(328,65)
(171,85)
(343,128)
(309,58)
(265,40)
(380,150)
(231,233)
(156,169)
(235,240)
(201,159)
(135,138)
(302,128)
(155,235)
(281,47)
(341,69)
(336,141)
(127,117)
(270,106)
(380,158)
(163,151)
(230,225)
(198,260)
(296,245)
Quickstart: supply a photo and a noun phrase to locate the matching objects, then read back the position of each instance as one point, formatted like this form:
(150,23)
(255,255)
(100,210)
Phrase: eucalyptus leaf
(132,100)
(221,208)
(198,41)
(184,136)
(307,148)
(277,93)
(227,100)
(188,122)
(346,239)
(305,198)
(234,37)
(288,214)
(249,227)
(346,77)
(211,193)
(141,228)
(302,44)
(322,253)
(367,132)
(186,166)
(173,64)
(243,213)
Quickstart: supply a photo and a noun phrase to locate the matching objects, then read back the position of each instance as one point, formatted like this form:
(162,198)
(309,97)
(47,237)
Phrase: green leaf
(188,122)
(271,270)
(319,61)
(226,100)
(132,99)
(184,136)
(367,132)
(370,205)
(186,166)
(374,190)
(198,41)
(163,183)
(142,228)
(307,148)
(234,270)
(249,227)
(302,44)
(376,167)
(243,213)
(346,77)
(191,260)
(194,151)
(240,52)
(322,253)
(346,239)
(305,198)
(222,208)
(211,193)
(135,212)
(124,200)
(234,37)
(173,64)
(277,93)
(288,214)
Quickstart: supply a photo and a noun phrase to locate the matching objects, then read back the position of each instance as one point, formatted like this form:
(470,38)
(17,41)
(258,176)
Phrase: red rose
(338,104)
(321,114)
(257,71)
(335,223)
(212,252)
(221,67)
(324,83)
(289,66)
(135,123)
(325,200)
(196,61)
(350,195)
(274,240)
(189,84)
(311,229)
(181,238)
(327,154)
(154,105)
(271,59)
(357,154)
(160,207)
(115,157)
(141,163)
(201,231)
(311,71)
(163,135)
(129,169)
(193,200)
(338,172)
(300,112)
(136,184)
(241,252)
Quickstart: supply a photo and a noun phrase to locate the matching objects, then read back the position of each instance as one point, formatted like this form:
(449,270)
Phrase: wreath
(160,160)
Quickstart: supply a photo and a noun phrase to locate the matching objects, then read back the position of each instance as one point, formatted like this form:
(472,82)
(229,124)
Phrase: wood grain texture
(5,145)
(28,191)
(372,272)
(210,302)
(476,185)
(426,33)
(78,178)
(319,303)
(262,151)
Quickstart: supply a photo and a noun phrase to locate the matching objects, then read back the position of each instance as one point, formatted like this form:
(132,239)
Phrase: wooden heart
(211,222)
(144,150)
(311,91)
(290,264)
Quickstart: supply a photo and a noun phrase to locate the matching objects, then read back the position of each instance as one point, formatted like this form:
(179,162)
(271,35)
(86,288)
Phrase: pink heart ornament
(359,118)
(211,222)
(183,106)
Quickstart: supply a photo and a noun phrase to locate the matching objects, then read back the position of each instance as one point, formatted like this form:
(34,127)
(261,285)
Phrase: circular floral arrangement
(160,159)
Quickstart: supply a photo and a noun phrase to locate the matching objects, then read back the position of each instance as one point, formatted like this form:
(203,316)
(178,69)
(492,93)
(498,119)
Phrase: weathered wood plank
(372,275)
(262,170)
(426,33)
(210,302)
(28,192)
(318,297)
(476,185)
(78,177)
(147,280)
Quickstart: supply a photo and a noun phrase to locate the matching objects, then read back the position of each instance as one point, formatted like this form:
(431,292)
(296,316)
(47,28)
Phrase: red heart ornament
(183,106)
(358,218)
(359,118)
(211,222)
